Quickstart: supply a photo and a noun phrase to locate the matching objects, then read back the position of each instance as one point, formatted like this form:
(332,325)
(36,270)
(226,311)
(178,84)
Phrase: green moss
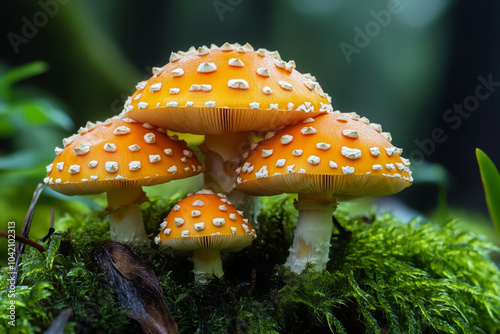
(406,278)
(403,278)
(66,276)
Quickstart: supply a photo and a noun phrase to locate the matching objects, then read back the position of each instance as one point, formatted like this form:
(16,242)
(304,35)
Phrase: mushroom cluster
(119,156)
(333,156)
(225,93)
(228,93)
(205,224)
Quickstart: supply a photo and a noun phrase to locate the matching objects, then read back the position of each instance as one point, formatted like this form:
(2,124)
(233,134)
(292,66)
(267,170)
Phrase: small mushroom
(118,157)
(333,156)
(224,94)
(205,224)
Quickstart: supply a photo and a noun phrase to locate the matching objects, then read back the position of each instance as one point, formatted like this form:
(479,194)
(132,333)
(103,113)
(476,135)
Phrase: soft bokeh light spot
(418,14)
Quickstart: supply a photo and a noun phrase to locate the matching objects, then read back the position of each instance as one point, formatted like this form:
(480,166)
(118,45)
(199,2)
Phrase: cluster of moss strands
(404,278)
(389,276)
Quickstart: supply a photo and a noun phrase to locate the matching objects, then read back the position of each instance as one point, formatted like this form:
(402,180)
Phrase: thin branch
(52,214)
(51,228)
(24,240)
(344,234)
(26,229)
(60,321)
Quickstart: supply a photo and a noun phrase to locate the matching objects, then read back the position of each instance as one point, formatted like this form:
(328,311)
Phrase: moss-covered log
(389,276)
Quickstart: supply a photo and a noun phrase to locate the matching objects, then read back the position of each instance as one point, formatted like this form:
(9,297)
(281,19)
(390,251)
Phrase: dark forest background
(408,65)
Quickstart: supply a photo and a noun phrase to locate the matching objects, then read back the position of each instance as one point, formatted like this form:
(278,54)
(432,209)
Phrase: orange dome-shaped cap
(337,153)
(205,221)
(119,153)
(228,89)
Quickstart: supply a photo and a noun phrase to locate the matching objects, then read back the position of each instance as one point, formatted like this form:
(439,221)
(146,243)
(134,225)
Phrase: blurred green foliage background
(405,64)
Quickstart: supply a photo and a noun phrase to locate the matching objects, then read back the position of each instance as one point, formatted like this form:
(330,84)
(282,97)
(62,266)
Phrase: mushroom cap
(336,153)
(116,154)
(205,221)
(228,89)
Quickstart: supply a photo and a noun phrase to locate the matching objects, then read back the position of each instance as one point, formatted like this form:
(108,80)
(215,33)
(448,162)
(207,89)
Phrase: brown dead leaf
(137,287)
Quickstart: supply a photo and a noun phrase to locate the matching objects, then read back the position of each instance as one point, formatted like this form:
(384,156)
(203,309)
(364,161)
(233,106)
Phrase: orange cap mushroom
(205,223)
(228,89)
(119,156)
(223,92)
(333,156)
(337,153)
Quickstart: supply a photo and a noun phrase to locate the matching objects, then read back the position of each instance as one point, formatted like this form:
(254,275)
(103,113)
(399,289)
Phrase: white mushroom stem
(223,154)
(311,242)
(125,218)
(207,262)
